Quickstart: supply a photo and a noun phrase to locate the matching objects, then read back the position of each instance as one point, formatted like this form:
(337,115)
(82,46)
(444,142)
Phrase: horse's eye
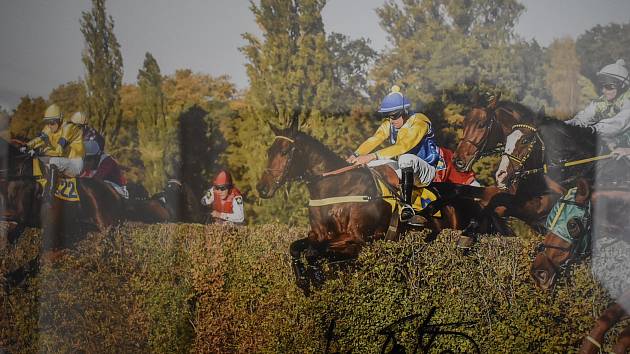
(285,152)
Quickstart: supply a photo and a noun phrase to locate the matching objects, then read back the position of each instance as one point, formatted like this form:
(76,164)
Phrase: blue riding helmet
(394,101)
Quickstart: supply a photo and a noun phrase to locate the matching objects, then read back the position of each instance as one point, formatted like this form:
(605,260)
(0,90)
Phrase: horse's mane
(580,134)
(516,106)
(315,144)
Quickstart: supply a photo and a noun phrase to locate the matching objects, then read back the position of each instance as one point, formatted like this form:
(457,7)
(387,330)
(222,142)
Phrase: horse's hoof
(465,242)
(417,220)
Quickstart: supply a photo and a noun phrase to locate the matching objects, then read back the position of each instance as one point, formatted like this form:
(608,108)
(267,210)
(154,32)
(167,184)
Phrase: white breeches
(69,167)
(423,173)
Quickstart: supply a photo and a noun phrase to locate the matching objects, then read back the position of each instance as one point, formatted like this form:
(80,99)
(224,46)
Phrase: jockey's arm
(585,117)
(409,136)
(42,141)
(615,125)
(71,141)
(208,199)
(372,142)
(238,214)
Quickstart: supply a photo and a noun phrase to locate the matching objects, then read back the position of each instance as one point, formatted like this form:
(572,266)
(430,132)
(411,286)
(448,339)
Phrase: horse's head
(567,238)
(280,161)
(478,124)
(519,147)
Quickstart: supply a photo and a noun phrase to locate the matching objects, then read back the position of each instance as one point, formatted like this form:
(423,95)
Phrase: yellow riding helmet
(53,112)
(79,118)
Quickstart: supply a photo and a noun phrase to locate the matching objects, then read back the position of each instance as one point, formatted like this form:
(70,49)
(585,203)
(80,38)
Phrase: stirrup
(406,213)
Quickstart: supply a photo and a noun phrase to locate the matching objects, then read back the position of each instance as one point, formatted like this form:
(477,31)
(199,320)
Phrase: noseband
(520,161)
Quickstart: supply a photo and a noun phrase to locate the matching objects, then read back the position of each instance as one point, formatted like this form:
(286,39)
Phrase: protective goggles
(222,187)
(610,86)
(393,115)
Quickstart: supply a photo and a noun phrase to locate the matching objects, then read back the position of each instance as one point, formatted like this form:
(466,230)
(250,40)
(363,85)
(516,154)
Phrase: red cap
(223,178)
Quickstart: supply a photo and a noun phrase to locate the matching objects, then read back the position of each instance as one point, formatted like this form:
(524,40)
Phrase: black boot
(300,275)
(406,186)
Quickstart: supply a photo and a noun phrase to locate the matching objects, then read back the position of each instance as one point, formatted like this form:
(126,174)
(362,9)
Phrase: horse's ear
(493,100)
(541,112)
(295,124)
(475,97)
(273,128)
(583,191)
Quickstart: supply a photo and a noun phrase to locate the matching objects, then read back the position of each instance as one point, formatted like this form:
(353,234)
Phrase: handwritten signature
(426,332)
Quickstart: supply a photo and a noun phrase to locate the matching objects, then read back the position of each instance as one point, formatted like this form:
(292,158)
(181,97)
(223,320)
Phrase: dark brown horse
(63,221)
(485,129)
(179,201)
(357,213)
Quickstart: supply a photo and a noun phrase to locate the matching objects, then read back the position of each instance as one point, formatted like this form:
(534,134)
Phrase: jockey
(411,141)
(89,133)
(609,115)
(62,142)
(225,199)
(102,166)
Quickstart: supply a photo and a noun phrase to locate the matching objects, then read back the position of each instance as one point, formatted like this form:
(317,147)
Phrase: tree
(562,74)
(104,71)
(155,131)
(295,71)
(603,45)
(70,97)
(27,120)
(443,44)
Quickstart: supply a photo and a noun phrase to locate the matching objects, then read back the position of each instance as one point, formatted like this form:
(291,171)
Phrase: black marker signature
(427,334)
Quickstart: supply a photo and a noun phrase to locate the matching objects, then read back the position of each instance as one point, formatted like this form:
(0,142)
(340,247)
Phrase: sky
(41,41)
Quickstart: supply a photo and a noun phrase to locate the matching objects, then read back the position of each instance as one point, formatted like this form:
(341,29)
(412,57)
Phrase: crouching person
(224,200)
(100,165)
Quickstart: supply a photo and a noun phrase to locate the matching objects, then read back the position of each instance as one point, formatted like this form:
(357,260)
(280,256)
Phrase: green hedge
(177,288)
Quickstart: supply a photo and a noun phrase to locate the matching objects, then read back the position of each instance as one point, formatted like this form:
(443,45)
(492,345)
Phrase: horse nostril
(459,163)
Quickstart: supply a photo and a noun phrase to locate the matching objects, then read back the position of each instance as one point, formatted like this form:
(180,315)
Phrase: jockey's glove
(23,149)
(31,153)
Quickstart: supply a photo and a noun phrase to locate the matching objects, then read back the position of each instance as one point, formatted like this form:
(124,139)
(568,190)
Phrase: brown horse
(568,243)
(63,221)
(179,201)
(485,129)
(346,209)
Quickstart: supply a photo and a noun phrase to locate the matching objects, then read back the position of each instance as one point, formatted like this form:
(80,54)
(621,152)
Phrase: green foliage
(70,97)
(155,129)
(296,71)
(562,74)
(26,121)
(165,288)
(603,45)
(438,45)
(104,71)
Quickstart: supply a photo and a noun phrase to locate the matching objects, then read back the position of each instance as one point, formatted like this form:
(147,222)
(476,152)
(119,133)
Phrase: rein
(545,167)
(311,178)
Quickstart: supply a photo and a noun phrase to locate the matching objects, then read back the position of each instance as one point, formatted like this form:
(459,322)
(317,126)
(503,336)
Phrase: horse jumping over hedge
(348,209)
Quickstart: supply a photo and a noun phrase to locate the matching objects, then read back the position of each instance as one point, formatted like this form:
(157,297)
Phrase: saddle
(390,186)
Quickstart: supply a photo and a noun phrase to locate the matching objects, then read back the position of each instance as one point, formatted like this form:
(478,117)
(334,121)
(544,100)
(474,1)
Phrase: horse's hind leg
(623,342)
(296,249)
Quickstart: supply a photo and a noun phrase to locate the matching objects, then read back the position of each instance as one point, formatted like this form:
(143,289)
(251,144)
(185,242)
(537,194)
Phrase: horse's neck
(506,121)
(318,161)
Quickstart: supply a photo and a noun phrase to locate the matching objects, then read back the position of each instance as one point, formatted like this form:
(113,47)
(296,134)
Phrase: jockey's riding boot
(54,176)
(407,212)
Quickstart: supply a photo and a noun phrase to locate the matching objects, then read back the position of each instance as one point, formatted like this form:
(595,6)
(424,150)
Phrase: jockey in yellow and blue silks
(411,141)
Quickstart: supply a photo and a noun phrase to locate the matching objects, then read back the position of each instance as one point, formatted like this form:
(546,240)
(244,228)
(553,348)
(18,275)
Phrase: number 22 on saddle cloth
(66,186)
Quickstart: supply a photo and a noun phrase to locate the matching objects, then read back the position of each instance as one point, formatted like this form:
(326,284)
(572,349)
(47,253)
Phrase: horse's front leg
(592,343)
(296,249)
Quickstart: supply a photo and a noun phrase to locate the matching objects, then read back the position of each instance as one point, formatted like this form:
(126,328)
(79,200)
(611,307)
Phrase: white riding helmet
(79,118)
(615,73)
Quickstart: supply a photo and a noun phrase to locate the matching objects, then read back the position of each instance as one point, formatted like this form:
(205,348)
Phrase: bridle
(520,161)
(481,146)
(578,246)
(282,177)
